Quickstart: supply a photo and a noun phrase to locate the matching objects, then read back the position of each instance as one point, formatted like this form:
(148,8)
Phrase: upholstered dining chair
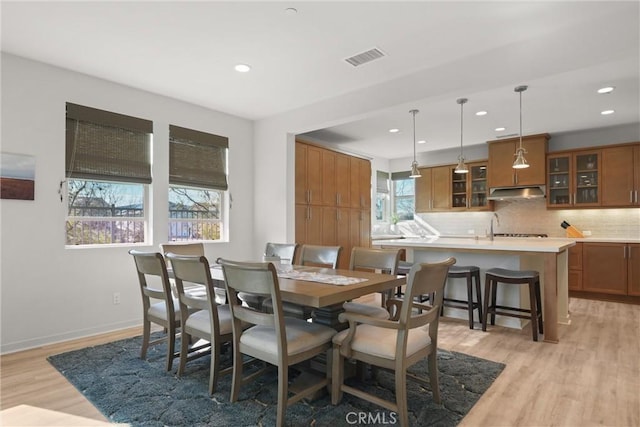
(193,249)
(395,345)
(283,252)
(368,259)
(158,304)
(201,318)
(315,256)
(275,339)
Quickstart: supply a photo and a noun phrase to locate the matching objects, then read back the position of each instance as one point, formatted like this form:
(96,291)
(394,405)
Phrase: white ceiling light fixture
(394,130)
(500,129)
(607,112)
(422,141)
(415,173)
(242,68)
(607,89)
(481,113)
(461,167)
(520,162)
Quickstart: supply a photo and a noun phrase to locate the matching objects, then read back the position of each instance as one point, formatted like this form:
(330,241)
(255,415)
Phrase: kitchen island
(549,256)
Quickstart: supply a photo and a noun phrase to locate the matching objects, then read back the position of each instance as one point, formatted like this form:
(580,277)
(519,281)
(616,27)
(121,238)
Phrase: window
(197,184)
(403,195)
(382,196)
(108,169)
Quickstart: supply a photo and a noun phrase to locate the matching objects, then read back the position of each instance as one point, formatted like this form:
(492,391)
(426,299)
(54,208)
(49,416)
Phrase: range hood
(510,193)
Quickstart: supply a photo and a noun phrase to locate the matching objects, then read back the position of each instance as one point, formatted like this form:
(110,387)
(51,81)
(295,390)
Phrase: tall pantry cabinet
(333,199)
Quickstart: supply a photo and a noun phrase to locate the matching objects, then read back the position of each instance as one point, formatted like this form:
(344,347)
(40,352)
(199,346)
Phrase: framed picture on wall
(17,176)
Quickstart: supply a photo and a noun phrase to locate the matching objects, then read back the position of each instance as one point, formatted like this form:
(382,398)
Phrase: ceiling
(435,52)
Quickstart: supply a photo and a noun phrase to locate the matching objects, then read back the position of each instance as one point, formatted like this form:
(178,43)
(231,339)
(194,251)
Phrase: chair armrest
(354,319)
(393,307)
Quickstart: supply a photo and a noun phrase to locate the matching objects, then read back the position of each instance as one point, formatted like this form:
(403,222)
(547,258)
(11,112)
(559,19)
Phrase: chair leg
(401,397)
(185,340)
(214,368)
(478,295)
(534,311)
(337,375)
(494,294)
(539,301)
(487,293)
(470,300)
(146,333)
(432,363)
(237,373)
(171,347)
(283,379)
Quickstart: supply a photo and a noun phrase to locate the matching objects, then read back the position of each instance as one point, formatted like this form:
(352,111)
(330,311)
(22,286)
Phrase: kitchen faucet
(491,226)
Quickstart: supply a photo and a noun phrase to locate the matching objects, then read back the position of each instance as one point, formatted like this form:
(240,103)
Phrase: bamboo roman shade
(382,182)
(101,145)
(197,159)
(399,176)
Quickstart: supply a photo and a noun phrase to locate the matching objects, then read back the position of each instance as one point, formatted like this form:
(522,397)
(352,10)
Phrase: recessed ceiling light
(500,129)
(242,68)
(422,141)
(394,130)
(481,113)
(607,89)
(607,112)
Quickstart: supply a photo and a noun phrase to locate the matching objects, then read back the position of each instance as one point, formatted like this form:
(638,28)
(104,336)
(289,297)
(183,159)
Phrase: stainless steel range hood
(510,193)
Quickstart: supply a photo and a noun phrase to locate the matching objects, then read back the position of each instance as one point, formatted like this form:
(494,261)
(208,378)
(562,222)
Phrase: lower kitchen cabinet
(575,267)
(611,268)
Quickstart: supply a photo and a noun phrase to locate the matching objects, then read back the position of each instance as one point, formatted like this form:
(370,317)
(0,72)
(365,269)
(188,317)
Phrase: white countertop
(513,244)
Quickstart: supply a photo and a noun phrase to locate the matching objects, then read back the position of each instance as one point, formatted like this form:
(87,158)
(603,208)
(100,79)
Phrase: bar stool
(471,273)
(517,277)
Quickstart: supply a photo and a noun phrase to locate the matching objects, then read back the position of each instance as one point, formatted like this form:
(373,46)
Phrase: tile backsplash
(532,216)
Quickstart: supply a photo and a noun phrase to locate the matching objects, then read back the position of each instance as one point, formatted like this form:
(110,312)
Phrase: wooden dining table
(327,298)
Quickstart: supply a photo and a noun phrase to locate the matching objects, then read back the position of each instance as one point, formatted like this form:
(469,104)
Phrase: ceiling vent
(364,57)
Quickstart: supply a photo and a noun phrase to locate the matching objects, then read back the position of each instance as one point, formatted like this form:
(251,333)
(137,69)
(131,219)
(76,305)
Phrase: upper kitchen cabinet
(309,174)
(574,179)
(501,157)
(433,189)
(469,190)
(621,176)
(360,183)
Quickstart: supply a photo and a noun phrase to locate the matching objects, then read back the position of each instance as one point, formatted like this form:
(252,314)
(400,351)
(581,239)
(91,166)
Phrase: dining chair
(201,318)
(368,259)
(195,249)
(273,338)
(158,304)
(283,252)
(315,256)
(395,345)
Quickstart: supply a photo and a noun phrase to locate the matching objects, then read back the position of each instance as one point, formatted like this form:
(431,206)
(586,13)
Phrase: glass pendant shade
(415,172)
(520,162)
(462,167)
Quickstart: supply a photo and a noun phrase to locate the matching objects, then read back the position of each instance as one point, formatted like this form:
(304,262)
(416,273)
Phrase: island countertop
(512,244)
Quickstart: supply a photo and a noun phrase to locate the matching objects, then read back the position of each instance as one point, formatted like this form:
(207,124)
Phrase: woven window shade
(101,145)
(197,159)
(399,176)
(382,182)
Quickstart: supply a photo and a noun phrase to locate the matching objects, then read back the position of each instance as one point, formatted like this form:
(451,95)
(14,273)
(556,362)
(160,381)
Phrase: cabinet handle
(310,195)
(513,179)
(636,196)
(575,198)
(310,213)
(624,251)
(630,196)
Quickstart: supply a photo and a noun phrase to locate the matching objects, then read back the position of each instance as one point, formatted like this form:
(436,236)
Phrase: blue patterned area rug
(139,392)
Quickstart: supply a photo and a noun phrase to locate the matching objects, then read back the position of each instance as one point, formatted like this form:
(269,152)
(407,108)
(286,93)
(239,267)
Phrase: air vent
(364,57)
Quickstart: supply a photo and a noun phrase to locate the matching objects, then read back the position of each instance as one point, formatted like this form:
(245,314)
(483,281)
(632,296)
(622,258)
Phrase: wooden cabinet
(469,190)
(433,189)
(502,154)
(333,199)
(575,267)
(574,179)
(605,268)
(633,269)
(621,176)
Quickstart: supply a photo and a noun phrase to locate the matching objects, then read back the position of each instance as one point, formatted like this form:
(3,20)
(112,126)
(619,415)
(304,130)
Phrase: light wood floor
(592,377)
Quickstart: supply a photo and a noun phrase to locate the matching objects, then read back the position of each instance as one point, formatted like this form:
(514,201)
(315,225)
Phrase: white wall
(49,293)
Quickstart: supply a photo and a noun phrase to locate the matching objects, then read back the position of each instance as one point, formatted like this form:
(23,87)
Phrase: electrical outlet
(116,298)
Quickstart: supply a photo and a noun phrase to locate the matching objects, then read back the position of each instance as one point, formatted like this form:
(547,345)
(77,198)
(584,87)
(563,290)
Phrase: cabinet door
(364,182)
(559,181)
(501,157)
(477,187)
(459,190)
(343,180)
(586,178)
(633,260)
(575,267)
(423,193)
(636,173)
(343,236)
(535,174)
(308,224)
(301,223)
(301,174)
(354,180)
(441,187)
(604,268)
(314,174)
(617,176)
(329,188)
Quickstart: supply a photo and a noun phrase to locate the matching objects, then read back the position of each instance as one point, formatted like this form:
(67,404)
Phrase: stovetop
(539,235)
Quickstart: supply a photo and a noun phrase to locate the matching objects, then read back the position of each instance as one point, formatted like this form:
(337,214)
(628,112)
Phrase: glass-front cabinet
(469,190)
(573,179)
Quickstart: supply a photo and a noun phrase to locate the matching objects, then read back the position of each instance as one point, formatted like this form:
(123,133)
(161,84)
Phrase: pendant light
(520,162)
(461,168)
(415,173)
